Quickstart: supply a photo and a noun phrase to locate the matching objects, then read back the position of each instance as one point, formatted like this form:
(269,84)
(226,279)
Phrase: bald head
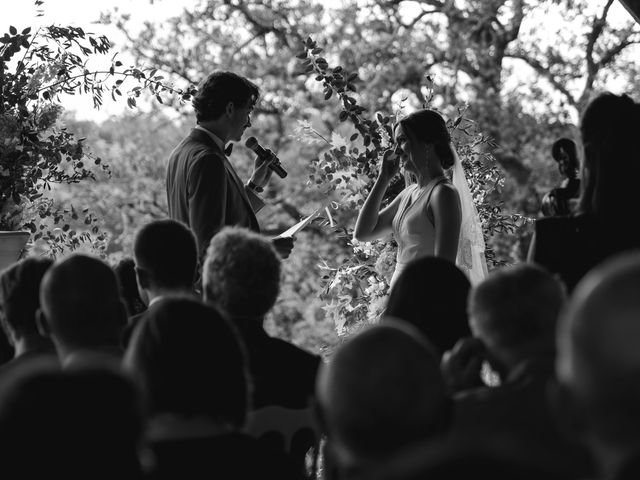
(81,302)
(381,391)
(598,348)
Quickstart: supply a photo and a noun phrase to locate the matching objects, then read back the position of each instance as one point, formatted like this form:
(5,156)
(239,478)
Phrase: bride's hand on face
(390,165)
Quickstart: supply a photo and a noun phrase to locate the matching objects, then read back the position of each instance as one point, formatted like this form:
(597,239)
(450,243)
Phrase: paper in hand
(300,225)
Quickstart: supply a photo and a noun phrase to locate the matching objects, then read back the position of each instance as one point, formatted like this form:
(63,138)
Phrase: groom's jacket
(205,192)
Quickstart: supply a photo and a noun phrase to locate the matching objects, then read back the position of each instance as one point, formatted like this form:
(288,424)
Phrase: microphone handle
(275,165)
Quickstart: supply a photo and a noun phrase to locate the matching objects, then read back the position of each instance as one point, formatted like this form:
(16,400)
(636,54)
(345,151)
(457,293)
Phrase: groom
(203,189)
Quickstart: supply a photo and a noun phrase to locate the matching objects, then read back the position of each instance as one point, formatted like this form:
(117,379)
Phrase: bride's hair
(429,127)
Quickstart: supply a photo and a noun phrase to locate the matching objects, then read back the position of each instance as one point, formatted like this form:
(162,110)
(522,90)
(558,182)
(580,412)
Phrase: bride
(427,217)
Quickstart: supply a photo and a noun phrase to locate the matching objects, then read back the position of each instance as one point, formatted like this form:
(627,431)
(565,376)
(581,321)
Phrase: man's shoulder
(193,148)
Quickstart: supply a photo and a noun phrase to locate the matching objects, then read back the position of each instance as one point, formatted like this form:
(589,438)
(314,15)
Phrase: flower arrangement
(36,152)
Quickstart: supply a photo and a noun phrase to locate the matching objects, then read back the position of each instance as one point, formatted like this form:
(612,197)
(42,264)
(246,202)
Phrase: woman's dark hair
(84,421)
(190,362)
(217,90)
(429,127)
(609,130)
(431,294)
(569,147)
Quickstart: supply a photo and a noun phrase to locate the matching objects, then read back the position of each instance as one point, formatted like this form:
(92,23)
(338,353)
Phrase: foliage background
(524,78)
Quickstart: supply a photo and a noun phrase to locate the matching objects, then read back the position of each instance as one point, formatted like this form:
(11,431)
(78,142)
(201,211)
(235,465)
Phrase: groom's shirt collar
(218,141)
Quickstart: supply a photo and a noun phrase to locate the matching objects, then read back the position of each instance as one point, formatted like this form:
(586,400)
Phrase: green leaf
(13,30)
(302,55)
(26,31)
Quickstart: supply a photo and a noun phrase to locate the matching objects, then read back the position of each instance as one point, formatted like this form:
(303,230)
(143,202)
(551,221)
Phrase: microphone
(253,144)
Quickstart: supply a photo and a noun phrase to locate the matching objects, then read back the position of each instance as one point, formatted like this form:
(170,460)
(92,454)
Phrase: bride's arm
(372,222)
(447,216)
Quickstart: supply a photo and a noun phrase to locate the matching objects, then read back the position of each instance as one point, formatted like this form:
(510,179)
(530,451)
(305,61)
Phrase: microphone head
(251,143)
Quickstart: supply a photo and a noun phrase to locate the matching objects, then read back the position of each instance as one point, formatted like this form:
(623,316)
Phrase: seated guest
(241,277)
(381,393)
(165,263)
(602,226)
(19,302)
(79,423)
(81,307)
(192,368)
(513,316)
(431,294)
(598,365)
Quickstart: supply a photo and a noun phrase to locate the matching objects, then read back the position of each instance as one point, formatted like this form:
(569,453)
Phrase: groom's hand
(283,246)
(261,171)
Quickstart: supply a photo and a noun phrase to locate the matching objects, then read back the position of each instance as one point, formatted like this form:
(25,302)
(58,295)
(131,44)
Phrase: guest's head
(611,166)
(424,143)
(381,391)
(19,298)
(514,312)
(241,274)
(81,305)
(431,294)
(565,154)
(126,272)
(598,362)
(190,363)
(166,258)
(81,422)
(225,99)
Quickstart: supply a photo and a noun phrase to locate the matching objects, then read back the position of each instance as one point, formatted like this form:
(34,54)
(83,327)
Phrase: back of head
(20,294)
(190,362)
(241,273)
(165,251)
(431,294)
(516,309)
(429,127)
(84,422)
(81,301)
(217,90)
(381,391)
(609,128)
(598,354)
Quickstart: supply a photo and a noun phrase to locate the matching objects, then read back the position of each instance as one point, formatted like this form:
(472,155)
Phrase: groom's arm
(256,202)
(207,189)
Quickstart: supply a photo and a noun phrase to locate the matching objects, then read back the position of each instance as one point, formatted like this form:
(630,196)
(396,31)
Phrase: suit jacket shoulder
(204,191)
